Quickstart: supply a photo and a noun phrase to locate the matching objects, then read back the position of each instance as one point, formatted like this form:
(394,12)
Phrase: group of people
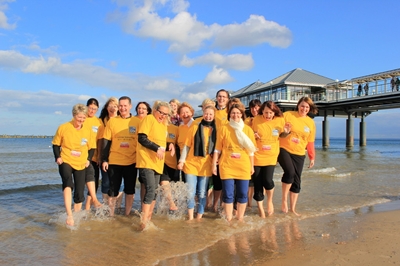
(395,83)
(223,151)
(360,89)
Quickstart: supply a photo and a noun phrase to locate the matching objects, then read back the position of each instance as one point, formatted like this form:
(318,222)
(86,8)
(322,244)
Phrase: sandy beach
(370,238)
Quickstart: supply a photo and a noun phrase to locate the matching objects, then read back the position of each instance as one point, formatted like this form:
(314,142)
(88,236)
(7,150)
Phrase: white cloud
(234,61)
(218,76)
(256,30)
(185,33)
(3,18)
(58,113)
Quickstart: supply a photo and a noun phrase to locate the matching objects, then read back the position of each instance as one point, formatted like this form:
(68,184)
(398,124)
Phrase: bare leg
(167,189)
(119,200)
(67,202)
(293,202)
(128,203)
(92,192)
(147,211)
(190,214)
(260,209)
(217,196)
(250,194)
(111,204)
(199,216)
(105,197)
(285,194)
(241,209)
(270,204)
(88,202)
(228,211)
(209,201)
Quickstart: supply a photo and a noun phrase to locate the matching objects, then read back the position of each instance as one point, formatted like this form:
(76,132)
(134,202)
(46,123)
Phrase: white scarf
(243,139)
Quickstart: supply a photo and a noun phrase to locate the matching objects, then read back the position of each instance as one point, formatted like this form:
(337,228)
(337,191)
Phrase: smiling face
(124,108)
(79,119)
(92,109)
(174,107)
(185,114)
(235,115)
(268,114)
(142,110)
(112,109)
(161,114)
(222,99)
(254,110)
(303,109)
(208,114)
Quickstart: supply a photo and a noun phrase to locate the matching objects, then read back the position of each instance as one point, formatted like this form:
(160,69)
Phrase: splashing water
(176,193)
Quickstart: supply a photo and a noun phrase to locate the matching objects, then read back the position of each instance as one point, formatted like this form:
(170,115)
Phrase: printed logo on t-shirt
(235,155)
(275,132)
(306,129)
(132,130)
(124,145)
(171,136)
(95,128)
(76,153)
(266,147)
(84,142)
(295,140)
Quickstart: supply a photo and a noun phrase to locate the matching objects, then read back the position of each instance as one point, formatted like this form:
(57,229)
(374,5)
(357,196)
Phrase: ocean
(344,184)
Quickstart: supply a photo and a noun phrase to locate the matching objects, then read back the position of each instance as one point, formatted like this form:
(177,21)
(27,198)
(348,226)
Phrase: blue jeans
(198,185)
(228,190)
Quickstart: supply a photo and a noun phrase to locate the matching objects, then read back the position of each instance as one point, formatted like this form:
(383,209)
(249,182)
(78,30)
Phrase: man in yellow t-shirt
(119,154)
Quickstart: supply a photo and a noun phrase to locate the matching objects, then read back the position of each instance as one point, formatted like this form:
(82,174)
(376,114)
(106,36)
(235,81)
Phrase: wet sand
(364,236)
(373,238)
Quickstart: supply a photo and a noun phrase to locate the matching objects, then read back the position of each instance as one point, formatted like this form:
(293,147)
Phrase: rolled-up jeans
(198,185)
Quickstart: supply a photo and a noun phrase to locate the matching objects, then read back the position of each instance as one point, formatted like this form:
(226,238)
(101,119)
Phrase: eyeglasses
(162,113)
(92,109)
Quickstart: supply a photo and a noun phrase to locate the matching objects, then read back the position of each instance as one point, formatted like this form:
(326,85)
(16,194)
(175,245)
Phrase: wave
(35,188)
(342,175)
(323,170)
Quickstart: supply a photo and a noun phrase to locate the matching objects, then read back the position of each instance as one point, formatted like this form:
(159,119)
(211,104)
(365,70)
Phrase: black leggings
(75,179)
(292,166)
(262,178)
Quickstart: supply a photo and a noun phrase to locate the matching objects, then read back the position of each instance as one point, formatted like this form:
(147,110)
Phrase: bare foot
(70,220)
(295,213)
(142,226)
(173,208)
(284,207)
(97,204)
(261,212)
(270,209)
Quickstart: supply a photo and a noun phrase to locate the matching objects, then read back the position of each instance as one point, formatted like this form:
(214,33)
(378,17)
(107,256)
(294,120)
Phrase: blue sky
(54,54)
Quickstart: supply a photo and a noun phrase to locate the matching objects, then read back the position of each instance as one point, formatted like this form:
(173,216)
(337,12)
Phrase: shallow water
(32,215)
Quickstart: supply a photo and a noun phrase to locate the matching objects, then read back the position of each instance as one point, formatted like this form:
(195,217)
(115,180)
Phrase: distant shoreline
(24,137)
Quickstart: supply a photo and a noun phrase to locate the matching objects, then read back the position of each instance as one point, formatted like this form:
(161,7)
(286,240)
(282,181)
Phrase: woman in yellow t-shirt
(150,153)
(235,146)
(195,160)
(254,106)
(293,148)
(268,127)
(73,147)
(92,172)
(109,110)
(185,112)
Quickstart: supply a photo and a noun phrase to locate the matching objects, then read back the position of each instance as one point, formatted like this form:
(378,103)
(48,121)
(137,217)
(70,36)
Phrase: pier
(333,98)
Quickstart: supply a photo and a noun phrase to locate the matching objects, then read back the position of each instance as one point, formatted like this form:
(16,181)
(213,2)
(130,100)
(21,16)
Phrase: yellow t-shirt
(94,123)
(234,161)
(198,165)
(302,132)
(122,132)
(221,118)
(249,121)
(172,137)
(75,144)
(157,133)
(268,144)
(182,134)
